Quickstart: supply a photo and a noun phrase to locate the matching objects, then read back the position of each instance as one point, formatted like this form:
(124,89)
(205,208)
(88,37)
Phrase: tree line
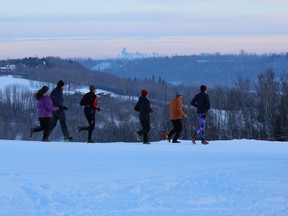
(194,69)
(246,110)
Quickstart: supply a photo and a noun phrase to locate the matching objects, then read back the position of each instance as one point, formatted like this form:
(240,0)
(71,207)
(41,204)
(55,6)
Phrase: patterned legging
(202,120)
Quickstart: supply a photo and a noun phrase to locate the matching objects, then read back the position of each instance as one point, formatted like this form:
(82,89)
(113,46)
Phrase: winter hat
(203,88)
(144,93)
(60,84)
(179,92)
(92,88)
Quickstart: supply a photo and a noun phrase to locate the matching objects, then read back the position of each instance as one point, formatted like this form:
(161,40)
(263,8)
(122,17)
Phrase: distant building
(124,53)
(137,55)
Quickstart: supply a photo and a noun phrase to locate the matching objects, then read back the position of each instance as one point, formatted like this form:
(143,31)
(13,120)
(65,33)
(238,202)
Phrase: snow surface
(100,92)
(9,80)
(224,178)
(33,86)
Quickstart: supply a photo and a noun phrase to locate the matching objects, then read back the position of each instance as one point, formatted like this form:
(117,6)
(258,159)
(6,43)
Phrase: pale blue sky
(97,28)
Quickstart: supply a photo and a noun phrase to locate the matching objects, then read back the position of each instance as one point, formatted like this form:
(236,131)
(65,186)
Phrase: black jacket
(201,102)
(57,98)
(89,101)
(143,106)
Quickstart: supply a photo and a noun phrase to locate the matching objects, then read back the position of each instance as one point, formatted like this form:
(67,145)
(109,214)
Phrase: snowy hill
(224,178)
(33,86)
(6,81)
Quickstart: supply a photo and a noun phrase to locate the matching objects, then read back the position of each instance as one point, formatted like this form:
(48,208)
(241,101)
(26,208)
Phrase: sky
(100,29)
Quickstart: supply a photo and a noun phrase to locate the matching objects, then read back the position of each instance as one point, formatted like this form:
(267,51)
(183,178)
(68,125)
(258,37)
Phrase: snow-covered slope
(9,80)
(224,178)
(33,86)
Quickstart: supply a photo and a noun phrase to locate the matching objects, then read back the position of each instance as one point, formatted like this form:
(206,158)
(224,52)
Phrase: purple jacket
(45,107)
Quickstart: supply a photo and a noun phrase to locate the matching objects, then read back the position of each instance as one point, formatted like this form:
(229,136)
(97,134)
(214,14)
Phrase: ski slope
(224,178)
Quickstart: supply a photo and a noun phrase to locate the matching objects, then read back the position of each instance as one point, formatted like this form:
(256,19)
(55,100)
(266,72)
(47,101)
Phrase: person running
(202,102)
(89,101)
(143,107)
(176,115)
(57,99)
(44,108)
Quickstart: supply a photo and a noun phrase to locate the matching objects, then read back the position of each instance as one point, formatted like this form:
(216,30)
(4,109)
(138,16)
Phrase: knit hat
(92,88)
(60,83)
(179,92)
(144,93)
(203,88)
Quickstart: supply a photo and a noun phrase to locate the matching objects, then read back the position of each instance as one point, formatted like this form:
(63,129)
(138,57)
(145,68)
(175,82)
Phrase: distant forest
(249,108)
(212,70)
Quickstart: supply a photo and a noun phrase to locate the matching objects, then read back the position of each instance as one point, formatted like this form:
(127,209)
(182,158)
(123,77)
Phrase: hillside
(195,70)
(224,178)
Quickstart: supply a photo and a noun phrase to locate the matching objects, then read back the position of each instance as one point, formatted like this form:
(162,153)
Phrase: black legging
(90,116)
(177,129)
(44,126)
(145,130)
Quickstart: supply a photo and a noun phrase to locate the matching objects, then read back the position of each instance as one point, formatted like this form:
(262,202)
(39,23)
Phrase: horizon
(147,55)
(97,29)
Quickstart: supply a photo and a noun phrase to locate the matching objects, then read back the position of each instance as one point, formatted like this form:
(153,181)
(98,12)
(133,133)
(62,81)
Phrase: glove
(98,109)
(65,108)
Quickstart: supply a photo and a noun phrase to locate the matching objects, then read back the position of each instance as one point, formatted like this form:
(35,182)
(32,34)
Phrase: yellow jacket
(175,107)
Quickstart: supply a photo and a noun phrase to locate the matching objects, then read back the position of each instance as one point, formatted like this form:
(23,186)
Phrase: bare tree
(247,105)
(284,105)
(267,105)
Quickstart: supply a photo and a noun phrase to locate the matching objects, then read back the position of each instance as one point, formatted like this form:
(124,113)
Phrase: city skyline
(99,29)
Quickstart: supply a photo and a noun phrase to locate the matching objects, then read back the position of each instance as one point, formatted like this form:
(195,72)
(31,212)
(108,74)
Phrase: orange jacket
(175,107)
